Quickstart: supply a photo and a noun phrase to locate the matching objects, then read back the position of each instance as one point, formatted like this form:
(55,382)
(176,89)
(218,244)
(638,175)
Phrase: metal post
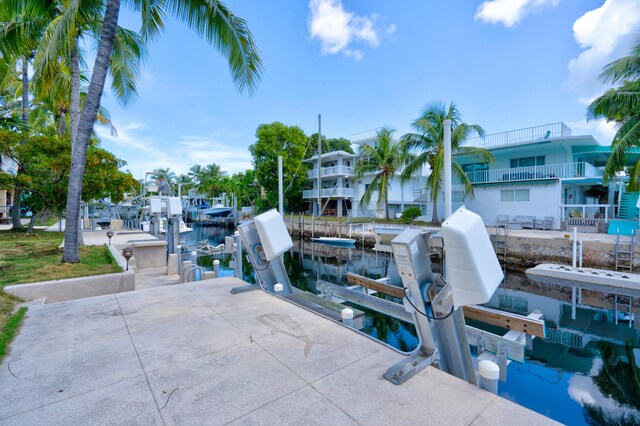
(447,168)
(319,162)
(216,268)
(280,194)
(194,261)
(179,253)
(238,255)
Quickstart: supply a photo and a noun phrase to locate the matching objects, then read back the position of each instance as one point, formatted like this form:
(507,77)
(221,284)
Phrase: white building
(340,194)
(542,171)
(7,165)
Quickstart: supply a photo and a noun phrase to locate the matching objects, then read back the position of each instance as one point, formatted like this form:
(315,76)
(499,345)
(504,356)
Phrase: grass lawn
(36,257)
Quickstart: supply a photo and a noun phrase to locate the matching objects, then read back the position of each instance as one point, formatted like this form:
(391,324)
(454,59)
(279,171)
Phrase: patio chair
(502,220)
(544,224)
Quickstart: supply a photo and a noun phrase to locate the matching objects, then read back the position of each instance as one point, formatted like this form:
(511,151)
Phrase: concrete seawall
(525,248)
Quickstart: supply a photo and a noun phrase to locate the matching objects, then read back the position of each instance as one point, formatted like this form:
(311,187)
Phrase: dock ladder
(623,305)
(502,233)
(624,252)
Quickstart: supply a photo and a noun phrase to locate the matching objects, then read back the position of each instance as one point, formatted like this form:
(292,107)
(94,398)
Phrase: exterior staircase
(628,209)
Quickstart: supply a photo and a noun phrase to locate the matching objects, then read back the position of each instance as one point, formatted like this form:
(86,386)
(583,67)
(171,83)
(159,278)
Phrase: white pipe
(447,168)
(280,194)
(574,254)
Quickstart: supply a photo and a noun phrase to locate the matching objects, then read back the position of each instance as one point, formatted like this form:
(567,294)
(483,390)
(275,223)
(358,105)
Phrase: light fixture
(127,252)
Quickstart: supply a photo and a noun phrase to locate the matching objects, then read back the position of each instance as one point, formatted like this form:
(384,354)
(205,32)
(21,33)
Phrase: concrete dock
(195,354)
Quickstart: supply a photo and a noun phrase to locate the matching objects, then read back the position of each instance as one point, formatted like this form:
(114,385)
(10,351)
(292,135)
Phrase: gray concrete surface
(195,354)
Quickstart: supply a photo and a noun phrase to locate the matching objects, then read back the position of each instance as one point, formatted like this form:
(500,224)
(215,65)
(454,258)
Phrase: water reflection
(564,376)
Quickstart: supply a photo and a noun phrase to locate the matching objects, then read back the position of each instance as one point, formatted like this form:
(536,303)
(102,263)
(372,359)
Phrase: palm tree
(622,105)
(383,159)
(212,20)
(427,147)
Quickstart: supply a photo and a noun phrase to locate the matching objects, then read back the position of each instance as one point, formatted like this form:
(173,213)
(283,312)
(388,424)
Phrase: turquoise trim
(588,180)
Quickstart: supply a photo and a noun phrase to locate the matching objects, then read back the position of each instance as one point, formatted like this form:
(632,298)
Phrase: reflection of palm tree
(619,380)
(428,146)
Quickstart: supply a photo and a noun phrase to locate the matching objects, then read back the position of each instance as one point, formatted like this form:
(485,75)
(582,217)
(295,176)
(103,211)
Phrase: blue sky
(507,64)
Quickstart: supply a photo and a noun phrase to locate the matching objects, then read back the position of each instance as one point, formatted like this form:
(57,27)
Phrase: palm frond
(229,34)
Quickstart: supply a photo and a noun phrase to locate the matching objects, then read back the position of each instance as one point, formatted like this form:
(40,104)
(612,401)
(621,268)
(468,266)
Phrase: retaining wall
(78,288)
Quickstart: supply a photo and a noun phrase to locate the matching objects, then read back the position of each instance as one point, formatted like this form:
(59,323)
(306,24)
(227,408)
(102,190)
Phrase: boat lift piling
(434,306)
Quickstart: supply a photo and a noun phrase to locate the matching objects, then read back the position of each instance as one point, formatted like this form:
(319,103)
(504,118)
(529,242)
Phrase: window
(527,161)
(475,167)
(457,197)
(514,195)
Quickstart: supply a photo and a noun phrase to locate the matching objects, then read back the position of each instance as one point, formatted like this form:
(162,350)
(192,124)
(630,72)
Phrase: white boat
(334,241)
(184,229)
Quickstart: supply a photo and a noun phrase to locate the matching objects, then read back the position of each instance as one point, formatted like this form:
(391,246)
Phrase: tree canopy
(46,161)
(328,145)
(290,142)
(426,146)
(621,104)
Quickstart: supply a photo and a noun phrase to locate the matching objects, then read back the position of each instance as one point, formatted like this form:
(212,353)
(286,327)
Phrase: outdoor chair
(544,224)
(502,220)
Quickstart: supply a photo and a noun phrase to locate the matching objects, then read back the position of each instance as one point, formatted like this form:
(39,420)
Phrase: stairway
(628,209)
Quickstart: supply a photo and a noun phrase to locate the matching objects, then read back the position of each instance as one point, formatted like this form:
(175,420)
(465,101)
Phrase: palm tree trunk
(434,217)
(74,102)
(85,128)
(17,192)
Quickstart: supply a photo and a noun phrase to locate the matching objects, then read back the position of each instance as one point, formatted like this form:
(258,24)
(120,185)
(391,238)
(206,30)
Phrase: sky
(507,64)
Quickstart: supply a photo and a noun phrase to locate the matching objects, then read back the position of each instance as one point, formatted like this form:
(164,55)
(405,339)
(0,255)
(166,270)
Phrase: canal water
(585,371)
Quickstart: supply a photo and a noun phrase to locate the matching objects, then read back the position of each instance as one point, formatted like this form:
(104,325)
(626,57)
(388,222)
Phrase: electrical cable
(424,313)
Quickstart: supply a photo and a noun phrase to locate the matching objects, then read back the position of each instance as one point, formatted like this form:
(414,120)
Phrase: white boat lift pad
(196,354)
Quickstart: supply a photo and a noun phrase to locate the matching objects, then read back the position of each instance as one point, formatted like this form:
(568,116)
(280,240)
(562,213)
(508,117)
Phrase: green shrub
(410,214)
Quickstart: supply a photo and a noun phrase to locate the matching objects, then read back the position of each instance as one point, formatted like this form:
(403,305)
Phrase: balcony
(551,171)
(331,171)
(520,136)
(330,192)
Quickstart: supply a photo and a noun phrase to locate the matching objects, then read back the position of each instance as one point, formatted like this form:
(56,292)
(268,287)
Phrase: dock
(196,354)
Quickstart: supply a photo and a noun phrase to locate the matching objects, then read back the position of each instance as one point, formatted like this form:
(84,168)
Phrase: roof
(330,156)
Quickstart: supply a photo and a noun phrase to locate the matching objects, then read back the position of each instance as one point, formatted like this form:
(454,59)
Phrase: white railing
(329,192)
(530,134)
(331,171)
(550,171)
(585,211)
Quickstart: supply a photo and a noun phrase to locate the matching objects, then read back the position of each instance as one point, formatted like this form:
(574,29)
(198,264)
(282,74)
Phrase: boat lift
(433,304)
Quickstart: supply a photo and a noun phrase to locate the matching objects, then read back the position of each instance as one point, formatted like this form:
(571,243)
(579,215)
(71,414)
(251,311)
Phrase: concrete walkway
(195,354)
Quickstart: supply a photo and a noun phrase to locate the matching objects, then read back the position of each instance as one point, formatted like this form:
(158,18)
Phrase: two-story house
(541,171)
(340,193)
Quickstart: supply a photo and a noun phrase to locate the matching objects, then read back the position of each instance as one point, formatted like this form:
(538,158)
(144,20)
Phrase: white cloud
(337,29)
(125,136)
(510,12)
(602,130)
(605,34)
(390,29)
(205,150)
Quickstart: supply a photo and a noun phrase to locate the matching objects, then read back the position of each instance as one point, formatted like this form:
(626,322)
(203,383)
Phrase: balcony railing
(551,171)
(330,192)
(514,137)
(331,171)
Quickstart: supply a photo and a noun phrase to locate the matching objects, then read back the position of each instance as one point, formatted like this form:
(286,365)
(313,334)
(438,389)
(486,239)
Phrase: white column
(280,194)
(447,168)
